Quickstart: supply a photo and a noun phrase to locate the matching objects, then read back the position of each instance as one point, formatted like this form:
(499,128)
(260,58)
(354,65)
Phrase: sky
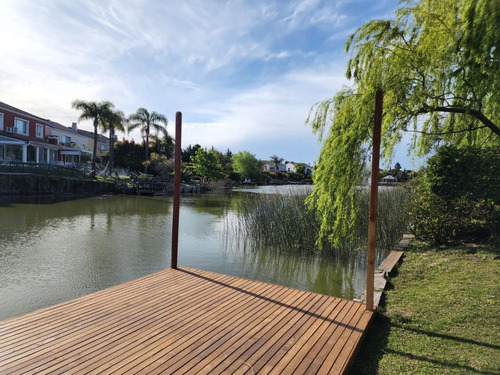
(244,74)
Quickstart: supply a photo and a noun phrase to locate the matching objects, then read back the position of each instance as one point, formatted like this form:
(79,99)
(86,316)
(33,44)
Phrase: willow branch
(473,112)
(450,132)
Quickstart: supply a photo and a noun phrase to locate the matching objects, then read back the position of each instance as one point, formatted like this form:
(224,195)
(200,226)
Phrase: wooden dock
(187,321)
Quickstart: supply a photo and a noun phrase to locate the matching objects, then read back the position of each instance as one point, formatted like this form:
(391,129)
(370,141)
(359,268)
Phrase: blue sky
(243,73)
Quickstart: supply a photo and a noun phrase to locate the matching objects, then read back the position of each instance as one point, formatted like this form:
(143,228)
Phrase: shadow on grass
(447,337)
(374,347)
(450,365)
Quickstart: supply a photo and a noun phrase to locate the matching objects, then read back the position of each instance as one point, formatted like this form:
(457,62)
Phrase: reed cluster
(283,221)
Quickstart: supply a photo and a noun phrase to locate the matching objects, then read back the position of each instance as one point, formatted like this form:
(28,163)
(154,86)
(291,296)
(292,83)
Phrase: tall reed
(284,222)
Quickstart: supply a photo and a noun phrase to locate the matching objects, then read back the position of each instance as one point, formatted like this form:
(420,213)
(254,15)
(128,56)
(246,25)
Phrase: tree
(300,169)
(94,111)
(113,120)
(145,120)
(189,152)
(225,160)
(438,63)
(277,161)
(458,195)
(206,164)
(162,145)
(247,165)
(128,154)
(162,166)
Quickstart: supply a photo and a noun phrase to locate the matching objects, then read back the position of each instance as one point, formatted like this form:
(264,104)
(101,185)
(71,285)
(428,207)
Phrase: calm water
(52,252)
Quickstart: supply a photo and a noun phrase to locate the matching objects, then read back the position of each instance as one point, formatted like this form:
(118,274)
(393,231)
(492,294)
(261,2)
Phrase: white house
(72,145)
(291,168)
(389,180)
(270,166)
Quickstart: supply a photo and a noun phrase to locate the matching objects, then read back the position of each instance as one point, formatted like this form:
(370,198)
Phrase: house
(27,138)
(389,180)
(23,137)
(291,168)
(73,145)
(102,141)
(270,166)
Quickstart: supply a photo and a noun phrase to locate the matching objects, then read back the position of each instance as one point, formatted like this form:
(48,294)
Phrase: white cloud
(244,74)
(274,112)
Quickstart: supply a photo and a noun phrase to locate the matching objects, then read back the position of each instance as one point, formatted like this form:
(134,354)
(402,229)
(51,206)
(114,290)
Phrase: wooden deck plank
(76,311)
(73,319)
(389,262)
(262,341)
(294,347)
(321,342)
(336,338)
(186,321)
(224,330)
(270,350)
(344,360)
(189,341)
(114,350)
(189,325)
(66,306)
(107,350)
(97,332)
(124,315)
(207,364)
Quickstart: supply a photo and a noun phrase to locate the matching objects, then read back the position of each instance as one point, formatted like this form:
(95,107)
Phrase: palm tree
(145,120)
(114,120)
(276,160)
(94,111)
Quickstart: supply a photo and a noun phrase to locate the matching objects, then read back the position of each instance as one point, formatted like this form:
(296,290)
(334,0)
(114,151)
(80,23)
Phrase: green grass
(442,315)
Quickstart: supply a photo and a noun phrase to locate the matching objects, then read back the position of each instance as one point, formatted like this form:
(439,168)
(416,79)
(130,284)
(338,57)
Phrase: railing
(41,169)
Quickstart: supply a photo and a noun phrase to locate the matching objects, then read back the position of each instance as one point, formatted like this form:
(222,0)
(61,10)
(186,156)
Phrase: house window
(103,148)
(22,126)
(66,139)
(39,131)
(1,121)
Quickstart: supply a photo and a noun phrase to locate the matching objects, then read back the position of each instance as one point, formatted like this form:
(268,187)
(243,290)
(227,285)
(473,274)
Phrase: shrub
(458,197)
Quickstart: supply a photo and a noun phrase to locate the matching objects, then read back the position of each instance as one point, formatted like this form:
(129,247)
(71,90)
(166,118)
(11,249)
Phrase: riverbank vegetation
(285,222)
(458,196)
(440,315)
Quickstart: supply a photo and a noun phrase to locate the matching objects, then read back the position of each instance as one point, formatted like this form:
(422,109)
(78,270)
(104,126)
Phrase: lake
(52,251)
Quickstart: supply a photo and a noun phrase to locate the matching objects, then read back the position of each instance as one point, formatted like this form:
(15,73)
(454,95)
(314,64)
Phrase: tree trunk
(147,149)
(94,151)
(111,149)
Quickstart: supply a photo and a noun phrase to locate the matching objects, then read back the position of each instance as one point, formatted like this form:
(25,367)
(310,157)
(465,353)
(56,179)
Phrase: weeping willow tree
(438,62)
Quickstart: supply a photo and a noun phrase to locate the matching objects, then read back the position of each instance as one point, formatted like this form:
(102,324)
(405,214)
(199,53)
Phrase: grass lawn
(441,315)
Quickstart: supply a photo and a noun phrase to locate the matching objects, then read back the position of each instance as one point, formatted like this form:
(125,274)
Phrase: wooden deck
(187,321)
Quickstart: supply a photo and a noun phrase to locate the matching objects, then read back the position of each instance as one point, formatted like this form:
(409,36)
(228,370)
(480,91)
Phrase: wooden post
(177,190)
(370,263)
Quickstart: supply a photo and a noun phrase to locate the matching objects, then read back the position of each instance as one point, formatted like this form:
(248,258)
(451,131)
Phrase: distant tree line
(154,154)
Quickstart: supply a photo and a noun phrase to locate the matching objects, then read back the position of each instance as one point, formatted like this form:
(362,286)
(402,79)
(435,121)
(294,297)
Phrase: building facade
(270,166)
(23,137)
(28,138)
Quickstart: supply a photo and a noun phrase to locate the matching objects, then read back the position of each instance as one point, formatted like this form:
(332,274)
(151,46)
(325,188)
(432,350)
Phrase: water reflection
(342,275)
(52,251)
